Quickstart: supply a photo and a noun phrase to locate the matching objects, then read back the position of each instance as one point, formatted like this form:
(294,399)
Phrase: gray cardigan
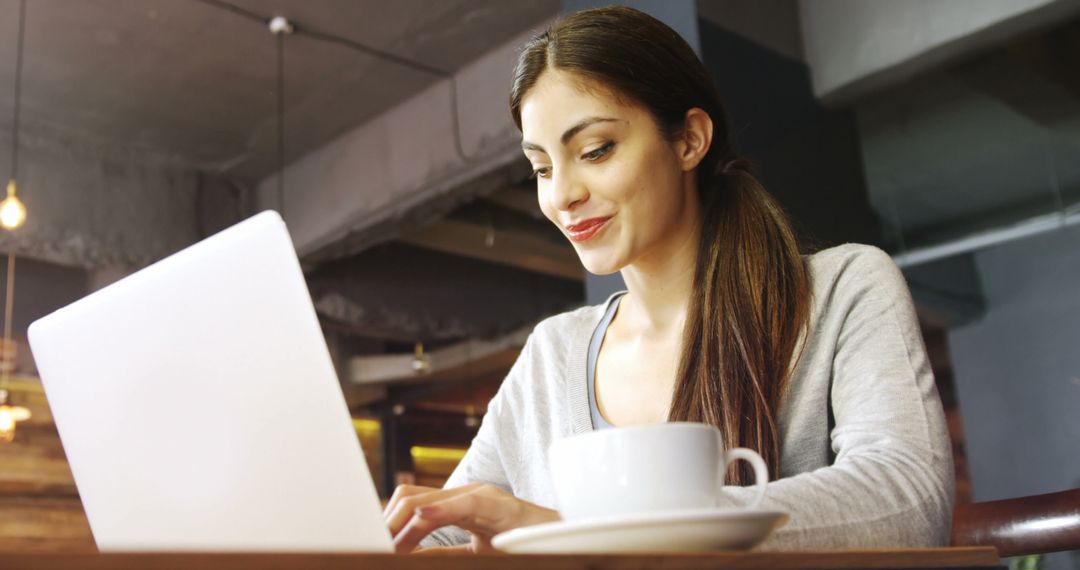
(865,454)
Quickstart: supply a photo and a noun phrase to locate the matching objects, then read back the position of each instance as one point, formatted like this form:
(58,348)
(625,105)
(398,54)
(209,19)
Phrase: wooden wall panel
(44,524)
(40,510)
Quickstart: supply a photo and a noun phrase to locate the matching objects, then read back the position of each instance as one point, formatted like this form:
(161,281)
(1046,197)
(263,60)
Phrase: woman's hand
(483,510)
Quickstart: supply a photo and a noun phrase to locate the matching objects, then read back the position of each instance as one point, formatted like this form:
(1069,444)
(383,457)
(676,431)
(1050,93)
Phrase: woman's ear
(695,139)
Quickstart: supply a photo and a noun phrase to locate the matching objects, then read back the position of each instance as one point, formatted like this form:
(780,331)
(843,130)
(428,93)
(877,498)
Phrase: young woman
(815,362)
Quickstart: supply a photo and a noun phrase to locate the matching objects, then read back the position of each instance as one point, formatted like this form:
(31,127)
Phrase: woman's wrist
(535,514)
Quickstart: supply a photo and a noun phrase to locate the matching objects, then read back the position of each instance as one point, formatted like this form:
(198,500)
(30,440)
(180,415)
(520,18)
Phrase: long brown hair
(751,292)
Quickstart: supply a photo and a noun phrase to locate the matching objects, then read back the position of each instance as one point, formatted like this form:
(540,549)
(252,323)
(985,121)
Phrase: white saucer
(668,531)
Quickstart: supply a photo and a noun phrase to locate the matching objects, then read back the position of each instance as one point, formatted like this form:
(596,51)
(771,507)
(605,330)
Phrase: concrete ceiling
(196,83)
(186,87)
(988,142)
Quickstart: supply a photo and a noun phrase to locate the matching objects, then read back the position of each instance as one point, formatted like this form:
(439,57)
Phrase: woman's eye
(599,152)
(541,172)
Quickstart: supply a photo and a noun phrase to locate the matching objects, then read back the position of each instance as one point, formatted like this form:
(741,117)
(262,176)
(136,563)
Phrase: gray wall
(40,288)
(94,206)
(1018,371)
(807,156)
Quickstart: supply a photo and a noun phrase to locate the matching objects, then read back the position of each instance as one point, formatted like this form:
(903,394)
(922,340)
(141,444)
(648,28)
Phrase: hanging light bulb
(281,27)
(9,416)
(471,419)
(7,425)
(12,210)
(421,363)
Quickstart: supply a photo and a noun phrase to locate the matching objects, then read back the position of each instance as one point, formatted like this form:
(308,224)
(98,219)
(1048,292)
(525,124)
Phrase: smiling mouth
(587,229)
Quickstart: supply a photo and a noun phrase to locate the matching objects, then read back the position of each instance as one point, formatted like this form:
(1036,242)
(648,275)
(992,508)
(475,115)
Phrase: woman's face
(606,176)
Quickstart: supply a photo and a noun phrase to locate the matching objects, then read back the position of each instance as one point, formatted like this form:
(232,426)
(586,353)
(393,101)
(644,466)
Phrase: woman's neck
(659,286)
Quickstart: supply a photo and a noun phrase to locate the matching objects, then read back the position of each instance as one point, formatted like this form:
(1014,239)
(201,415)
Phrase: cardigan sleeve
(891,482)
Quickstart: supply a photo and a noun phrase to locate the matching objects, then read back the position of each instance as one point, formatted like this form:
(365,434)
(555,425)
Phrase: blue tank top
(598,421)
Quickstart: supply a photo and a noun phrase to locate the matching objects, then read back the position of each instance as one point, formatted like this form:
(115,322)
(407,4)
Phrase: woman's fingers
(401,492)
(403,509)
(444,550)
(481,511)
(412,533)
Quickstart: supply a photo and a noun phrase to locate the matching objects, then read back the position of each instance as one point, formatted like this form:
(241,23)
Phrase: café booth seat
(1025,525)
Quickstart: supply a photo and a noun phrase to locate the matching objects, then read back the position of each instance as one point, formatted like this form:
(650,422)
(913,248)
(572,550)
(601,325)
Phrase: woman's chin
(600,266)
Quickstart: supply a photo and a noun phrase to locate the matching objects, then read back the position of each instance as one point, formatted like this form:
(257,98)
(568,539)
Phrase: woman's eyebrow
(569,133)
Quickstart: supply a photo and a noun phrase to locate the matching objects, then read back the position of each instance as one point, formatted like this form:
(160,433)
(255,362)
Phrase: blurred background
(945,131)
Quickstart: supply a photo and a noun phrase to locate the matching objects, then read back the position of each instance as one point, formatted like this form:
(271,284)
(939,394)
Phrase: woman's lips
(587,229)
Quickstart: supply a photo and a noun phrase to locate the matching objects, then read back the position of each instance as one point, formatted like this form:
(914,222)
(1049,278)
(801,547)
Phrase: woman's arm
(891,483)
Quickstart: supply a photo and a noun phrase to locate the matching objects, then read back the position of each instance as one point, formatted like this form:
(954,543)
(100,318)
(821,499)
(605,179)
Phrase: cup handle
(761,472)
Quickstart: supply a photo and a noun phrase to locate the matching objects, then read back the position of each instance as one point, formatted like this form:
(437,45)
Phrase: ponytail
(746,316)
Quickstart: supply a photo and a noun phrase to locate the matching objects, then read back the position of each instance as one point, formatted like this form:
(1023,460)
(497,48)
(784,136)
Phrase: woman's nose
(567,192)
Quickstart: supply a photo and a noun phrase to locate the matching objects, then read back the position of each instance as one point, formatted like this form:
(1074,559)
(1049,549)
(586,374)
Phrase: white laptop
(199,408)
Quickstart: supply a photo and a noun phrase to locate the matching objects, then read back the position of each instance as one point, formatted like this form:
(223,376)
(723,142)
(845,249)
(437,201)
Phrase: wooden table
(974,558)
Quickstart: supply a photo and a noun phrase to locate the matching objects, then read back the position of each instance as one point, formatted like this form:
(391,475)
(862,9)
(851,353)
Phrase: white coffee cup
(643,469)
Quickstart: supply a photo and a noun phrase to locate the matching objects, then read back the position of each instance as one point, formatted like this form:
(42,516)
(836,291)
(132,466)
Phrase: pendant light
(9,416)
(12,216)
(281,27)
(12,210)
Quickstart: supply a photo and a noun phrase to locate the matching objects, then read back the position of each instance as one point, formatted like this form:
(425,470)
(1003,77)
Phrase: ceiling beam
(855,48)
(516,249)
(411,294)
(1039,95)
(519,200)
(466,360)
